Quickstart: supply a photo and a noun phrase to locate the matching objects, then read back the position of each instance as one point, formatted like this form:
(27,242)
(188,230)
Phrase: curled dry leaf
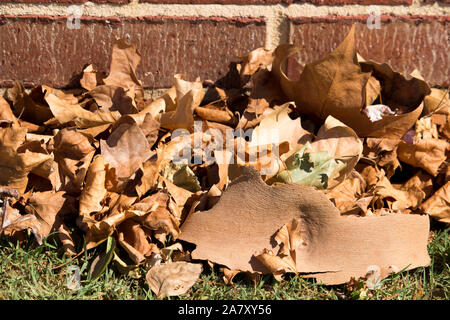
(162,104)
(50,207)
(398,198)
(373,90)
(89,79)
(16,164)
(243,223)
(6,113)
(13,221)
(288,237)
(93,192)
(134,239)
(347,193)
(277,127)
(172,279)
(438,206)
(436,101)
(188,97)
(73,154)
(161,214)
(384,152)
(122,71)
(25,107)
(126,149)
(256,59)
(113,98)
(66,112)
(427,154)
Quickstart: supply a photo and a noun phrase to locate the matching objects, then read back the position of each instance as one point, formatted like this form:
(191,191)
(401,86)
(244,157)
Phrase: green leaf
(182,176)
(101,261)
(310,168)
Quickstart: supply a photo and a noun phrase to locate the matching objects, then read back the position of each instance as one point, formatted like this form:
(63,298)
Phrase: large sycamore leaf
(244,223)
(336,85)
(333,85)
(172,279)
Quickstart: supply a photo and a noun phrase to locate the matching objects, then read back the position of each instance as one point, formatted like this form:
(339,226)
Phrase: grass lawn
(26,273)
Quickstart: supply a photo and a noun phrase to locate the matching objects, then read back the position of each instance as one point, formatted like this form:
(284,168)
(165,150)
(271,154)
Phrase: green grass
(26,273)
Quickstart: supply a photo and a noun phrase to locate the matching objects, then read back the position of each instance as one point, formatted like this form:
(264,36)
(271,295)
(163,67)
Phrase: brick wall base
(201,37)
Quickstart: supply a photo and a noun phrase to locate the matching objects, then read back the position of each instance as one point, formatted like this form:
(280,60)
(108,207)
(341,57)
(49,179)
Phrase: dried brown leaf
(172,279)
(244,222)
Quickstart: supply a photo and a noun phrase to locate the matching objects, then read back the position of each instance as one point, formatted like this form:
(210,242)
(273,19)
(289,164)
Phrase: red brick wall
(201,37)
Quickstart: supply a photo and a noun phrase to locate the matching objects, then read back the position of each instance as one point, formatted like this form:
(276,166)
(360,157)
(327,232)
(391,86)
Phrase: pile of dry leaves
(328,170)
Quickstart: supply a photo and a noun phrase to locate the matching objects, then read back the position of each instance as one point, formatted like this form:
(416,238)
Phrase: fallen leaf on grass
(173,279)
(243,223)
(12,221)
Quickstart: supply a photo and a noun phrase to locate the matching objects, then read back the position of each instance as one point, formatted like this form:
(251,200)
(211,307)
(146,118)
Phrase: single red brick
(406,43)
(42,50)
